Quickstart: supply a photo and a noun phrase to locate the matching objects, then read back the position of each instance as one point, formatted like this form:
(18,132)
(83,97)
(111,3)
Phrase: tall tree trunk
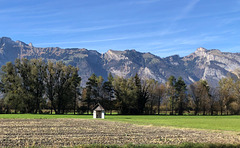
(110,99)
(204,110)
(212,109)
(7,111)
(88,106)
(36,106)
(166,108)
(75,101)
(172,107)
(196,111)
(159,104)
(151,108)
(74,112)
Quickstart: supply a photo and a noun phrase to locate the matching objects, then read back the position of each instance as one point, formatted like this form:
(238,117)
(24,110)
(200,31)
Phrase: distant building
(98,111)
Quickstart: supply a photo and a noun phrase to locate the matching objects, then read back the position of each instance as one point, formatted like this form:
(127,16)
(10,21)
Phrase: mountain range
(211,65)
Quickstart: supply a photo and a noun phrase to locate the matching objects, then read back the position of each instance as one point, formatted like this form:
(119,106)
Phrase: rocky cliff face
(211,65)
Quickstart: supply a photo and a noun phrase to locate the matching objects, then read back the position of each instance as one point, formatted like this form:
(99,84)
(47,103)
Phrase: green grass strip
(226,123)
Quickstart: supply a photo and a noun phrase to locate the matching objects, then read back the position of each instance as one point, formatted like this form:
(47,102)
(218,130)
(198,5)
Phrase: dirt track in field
(70,132)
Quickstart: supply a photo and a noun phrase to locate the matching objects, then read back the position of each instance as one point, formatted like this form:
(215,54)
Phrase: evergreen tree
(75,87)
(181,95)
(125,95)
(92,91)
(108,90)
(141,93)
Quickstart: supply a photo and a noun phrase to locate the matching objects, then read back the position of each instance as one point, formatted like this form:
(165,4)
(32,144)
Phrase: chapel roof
(98,107)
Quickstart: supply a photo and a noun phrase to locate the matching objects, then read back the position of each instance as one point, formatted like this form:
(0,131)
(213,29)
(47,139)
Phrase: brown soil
(70,132)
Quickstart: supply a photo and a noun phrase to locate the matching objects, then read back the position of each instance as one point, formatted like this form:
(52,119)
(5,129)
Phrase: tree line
(35,86)
(29,86)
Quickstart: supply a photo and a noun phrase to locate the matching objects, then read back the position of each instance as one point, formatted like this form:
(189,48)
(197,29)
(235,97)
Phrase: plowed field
(70,132)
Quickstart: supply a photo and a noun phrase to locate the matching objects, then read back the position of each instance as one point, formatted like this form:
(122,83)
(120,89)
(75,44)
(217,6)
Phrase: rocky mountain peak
(114,55)
(6,40)
(20,43)
(200,52)
(201,49)
(30,44)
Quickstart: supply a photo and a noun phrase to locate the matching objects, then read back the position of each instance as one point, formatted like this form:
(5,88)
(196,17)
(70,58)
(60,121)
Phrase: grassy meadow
(229,123)
(226,123)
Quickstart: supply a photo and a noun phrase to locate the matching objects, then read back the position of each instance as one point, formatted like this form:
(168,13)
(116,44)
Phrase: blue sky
(162,27)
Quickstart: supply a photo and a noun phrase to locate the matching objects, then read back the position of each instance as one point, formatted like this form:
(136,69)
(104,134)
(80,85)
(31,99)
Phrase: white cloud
(229,20)
(70,29)
(197,40)
(187,9)
(78,42)
(123,37)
